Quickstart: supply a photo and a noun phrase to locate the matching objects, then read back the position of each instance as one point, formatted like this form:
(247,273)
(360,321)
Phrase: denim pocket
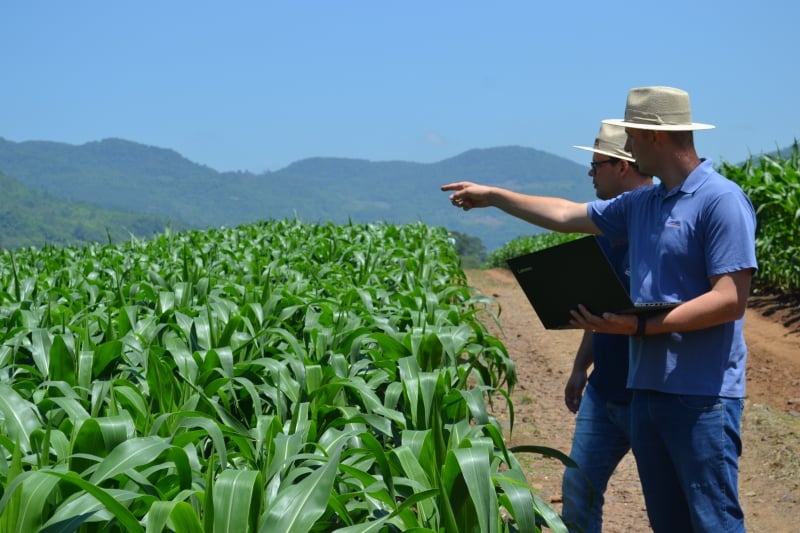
(700,403)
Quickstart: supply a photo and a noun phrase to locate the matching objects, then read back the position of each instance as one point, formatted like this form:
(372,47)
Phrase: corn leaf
(36,490)
(467,475)
(298,506)
(21,416)
(109,501)
(237,501)
(129,455)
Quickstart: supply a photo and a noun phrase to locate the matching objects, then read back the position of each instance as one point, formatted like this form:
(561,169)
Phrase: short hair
(684,139)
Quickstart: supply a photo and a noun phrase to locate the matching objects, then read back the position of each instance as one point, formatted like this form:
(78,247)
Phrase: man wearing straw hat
(691,239)
(602,434)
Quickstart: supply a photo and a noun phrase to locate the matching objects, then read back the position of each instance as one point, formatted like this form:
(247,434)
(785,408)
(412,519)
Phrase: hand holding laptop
(575,282)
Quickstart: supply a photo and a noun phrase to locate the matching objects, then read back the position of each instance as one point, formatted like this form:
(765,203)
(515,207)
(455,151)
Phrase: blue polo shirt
(610,352)
(677,240)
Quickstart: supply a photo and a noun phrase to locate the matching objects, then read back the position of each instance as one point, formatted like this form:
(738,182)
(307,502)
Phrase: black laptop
(559,278)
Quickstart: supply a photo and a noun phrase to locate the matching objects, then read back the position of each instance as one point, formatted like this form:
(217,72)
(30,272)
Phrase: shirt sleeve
(730,234)
(610,218)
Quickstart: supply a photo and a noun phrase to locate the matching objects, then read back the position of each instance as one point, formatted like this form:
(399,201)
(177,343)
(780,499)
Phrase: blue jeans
(601,440)
(687,451)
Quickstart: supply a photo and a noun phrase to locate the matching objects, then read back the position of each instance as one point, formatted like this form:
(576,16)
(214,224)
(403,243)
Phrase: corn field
(279,376)
(773,185)
(527,244)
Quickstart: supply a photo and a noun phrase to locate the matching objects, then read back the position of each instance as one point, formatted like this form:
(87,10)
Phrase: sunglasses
(595,164)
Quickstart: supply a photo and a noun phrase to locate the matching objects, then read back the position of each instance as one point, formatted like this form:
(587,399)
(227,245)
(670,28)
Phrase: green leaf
(379,455)
(128,455)
(546,451)
(125,517)
(130,396)
(21,416)
(11,500)
(477,406)
(213,430)
(390,347)
(68,525)
(85,365)
(158,516)
(519,499)
(550,517)
(237,501)
(105,355)
(476,509)
(87,440)
(413,470)
(298,506)
(35,492)
(62,362)
(73,408)
(40,350)
(184,519)
(84,506)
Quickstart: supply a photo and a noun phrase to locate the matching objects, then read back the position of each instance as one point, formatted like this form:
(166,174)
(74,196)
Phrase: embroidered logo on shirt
(672,223)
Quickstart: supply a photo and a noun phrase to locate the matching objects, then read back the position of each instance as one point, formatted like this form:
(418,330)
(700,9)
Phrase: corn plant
(527,244)
(773,185)
(273,377)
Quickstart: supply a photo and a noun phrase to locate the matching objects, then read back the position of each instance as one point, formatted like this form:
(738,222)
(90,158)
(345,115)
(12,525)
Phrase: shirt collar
(693,181)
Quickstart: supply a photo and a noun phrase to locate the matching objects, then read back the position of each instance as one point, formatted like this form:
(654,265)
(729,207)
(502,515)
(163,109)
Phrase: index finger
(457,186)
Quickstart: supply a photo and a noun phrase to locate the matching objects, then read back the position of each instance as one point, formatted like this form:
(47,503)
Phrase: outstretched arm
(556,214)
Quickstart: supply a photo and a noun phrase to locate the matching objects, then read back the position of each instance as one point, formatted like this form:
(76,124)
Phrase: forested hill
(117,187)
(123,175)
(30,217)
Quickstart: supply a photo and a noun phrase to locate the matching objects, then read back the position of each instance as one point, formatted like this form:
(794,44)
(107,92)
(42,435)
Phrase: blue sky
(246,85)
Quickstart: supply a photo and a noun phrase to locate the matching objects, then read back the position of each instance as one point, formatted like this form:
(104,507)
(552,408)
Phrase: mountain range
(58,193)
(131,188)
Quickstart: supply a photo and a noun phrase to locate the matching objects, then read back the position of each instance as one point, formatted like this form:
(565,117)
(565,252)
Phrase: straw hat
(610,141)
(658,108)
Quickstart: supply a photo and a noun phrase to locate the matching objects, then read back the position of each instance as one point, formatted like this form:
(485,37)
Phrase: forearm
(555,214)
(573,391)
(725,302)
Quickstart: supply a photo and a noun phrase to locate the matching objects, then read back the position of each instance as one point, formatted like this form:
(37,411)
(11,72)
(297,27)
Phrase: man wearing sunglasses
(602,401)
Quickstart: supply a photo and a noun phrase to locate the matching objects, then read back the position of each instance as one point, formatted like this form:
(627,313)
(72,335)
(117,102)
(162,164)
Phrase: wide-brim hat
(610,141)
(658,108)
